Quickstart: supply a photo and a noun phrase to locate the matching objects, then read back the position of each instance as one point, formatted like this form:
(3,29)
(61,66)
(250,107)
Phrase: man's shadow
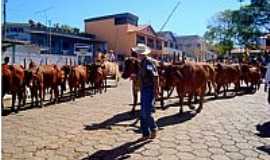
(175,119)
(171,120)
(113,121)
(264,130)
(120,152)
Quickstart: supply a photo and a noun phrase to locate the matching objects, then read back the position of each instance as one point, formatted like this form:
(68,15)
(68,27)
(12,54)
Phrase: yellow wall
(117,37)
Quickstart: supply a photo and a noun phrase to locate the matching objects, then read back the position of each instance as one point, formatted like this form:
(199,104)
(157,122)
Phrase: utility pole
(44,11)
(50,37)
(4,18)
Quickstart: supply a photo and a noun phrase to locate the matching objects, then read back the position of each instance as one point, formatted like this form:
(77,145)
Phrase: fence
(22,58)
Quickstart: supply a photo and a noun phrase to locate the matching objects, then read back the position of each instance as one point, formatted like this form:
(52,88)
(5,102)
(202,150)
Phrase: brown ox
(111,70)
(65,72)
(41,78)
(77,80)
(13,81)
(225,75)
(96,77)
(251,75)
(131,70)
(189,79)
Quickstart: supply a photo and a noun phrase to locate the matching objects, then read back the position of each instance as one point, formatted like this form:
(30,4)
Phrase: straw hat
(141,49)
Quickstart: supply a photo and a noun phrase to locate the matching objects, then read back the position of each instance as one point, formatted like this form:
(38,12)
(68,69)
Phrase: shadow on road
(65,98)
(171,120)
(175,119)
(120,152)
(263,129)
(265,149)
(121,117)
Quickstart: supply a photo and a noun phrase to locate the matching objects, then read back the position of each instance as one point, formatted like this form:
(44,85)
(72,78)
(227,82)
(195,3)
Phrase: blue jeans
(148,123)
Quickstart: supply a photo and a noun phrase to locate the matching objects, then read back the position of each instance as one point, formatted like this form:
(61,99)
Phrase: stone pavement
(100,127)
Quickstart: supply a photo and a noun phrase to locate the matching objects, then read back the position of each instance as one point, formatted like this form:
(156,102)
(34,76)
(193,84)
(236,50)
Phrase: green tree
(240,27)
(220,33)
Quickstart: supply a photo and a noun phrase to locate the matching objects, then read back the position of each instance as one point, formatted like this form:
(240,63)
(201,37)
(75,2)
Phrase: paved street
(100,127)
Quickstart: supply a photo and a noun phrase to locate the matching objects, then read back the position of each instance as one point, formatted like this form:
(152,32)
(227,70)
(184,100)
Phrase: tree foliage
(240,27)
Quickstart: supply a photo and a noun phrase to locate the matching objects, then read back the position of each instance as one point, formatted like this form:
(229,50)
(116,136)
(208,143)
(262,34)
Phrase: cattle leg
(83,89)
(181,104)
(217,91)
(62,90)
(20,99)
(32,97)
(13,102)
(209,88)
(135,100)
(201,93)
(51,93)
(74,93)
(162,99)
(190,97)
(225,91)
(237,87)
(105,85)
(41,95)
(36,97)
(24,97)
(56,94)
(201,103)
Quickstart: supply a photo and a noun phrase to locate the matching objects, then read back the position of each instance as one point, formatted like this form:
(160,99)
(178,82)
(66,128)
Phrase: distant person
(267,82)
(6,61)
(149,90)
(112,56)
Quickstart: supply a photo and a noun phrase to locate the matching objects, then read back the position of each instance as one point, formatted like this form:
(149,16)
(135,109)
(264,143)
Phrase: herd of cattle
(41,78)
(190,80)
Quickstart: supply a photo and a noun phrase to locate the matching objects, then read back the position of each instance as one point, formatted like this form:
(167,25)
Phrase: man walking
(149,88)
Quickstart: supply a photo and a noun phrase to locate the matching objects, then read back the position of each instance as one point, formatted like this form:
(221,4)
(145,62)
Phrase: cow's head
(131,66)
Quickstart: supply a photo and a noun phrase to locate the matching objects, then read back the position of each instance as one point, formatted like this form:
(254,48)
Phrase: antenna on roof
(170,15)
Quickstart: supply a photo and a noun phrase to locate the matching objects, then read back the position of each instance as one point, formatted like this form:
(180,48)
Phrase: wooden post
(24,63)
(13,53)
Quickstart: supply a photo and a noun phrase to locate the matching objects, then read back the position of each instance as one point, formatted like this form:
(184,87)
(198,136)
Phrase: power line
(171,14)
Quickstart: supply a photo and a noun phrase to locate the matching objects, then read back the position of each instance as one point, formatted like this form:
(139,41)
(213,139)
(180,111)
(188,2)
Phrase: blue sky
(191,17)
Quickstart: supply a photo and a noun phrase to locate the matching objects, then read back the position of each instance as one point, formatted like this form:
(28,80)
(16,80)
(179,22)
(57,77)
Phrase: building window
(158,45)
(188,45)
(125,20)
(171,45)
(165,44)
(140,39)
(198,45)
(267,42)
(120,20)
(150,42)
(65,45)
